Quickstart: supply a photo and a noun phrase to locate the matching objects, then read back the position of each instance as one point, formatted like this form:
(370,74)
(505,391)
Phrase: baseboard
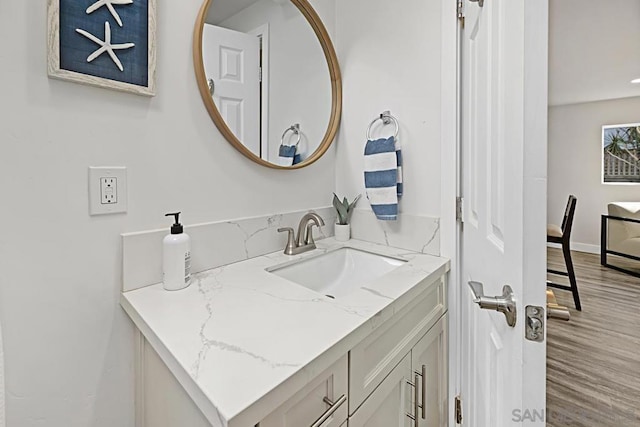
(579,247)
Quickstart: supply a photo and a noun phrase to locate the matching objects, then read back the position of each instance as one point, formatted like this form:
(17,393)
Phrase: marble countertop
(241,340)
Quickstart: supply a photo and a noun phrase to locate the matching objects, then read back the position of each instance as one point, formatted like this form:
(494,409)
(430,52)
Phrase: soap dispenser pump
(176,257)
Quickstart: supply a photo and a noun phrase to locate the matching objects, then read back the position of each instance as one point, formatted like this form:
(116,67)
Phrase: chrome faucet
(305,241)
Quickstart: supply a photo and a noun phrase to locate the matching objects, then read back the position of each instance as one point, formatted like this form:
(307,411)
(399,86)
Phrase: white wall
(68,345)
(593,50)
(390,58)
(575,156)
(590,69)
(299,80)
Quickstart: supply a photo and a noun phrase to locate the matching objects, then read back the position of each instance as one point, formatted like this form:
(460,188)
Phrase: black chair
(562,235)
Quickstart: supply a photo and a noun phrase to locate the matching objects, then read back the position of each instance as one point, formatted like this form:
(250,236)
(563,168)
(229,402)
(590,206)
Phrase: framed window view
(105,43)
(621,154)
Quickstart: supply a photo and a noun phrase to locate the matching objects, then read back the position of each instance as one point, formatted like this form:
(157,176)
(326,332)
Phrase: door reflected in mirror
(271,77)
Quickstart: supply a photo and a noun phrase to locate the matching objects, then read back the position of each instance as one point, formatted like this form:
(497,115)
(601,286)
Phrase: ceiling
(223,9)
(594,50)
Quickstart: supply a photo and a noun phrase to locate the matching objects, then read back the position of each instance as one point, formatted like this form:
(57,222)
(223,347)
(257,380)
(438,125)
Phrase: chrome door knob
(505,303)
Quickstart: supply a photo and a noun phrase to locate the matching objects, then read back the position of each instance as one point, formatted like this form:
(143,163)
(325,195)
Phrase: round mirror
(269,77)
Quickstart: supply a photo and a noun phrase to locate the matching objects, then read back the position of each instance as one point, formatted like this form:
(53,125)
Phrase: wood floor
(593,360)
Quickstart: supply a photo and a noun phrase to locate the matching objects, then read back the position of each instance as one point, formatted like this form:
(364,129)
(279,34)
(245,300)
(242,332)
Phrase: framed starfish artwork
(106,43)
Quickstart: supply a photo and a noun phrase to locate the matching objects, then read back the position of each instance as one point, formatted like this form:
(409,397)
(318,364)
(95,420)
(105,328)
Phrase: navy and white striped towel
(383,177)
(399,159)
(288,155)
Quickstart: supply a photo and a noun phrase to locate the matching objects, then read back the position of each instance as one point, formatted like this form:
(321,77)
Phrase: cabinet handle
(422,374)
(424,392)
(416,405)
(333,408)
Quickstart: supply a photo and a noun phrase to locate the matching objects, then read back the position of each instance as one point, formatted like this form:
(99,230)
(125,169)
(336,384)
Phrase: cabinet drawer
(310,403)
(377,355)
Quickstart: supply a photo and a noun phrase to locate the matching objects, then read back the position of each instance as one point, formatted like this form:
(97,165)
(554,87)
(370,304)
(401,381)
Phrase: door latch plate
(534,329)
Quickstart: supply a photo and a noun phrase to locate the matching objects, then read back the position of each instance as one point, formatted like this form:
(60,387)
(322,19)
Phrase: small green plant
(344,208)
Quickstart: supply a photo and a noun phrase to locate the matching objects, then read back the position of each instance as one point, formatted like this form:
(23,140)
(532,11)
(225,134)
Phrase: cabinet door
(310,403)
(389,404)
(429,358)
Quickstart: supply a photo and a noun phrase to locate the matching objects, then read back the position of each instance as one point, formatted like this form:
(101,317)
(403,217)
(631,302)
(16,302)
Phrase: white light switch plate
(107,190)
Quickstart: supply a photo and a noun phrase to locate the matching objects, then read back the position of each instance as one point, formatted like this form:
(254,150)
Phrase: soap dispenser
(176,257)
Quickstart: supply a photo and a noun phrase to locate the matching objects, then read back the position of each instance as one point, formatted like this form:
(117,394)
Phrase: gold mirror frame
(334,72)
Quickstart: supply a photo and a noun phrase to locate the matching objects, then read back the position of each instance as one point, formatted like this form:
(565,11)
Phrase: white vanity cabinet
(388,405)
(160,399)
(389,364)
(429,358)
(377,355)
(325,396)
(393,401)
(410,348)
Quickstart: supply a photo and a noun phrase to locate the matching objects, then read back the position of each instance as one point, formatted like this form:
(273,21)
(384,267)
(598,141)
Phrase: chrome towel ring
(386,119)
(296,130)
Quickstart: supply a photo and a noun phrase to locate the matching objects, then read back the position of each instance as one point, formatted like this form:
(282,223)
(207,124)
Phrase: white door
(232,65)
(503,138)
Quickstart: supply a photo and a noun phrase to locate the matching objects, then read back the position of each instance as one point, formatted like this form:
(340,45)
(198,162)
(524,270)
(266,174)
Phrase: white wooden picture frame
(87,26)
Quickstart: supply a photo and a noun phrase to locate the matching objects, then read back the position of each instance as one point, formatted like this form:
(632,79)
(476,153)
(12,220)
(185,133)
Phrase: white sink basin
(338,273)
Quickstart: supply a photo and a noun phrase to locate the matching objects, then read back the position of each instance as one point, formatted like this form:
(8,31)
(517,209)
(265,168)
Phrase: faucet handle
(291,240)
(309,234)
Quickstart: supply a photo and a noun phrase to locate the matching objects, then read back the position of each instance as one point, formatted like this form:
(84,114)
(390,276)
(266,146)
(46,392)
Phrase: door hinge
(458,410)
(260,74)
(461,12)
(459,212)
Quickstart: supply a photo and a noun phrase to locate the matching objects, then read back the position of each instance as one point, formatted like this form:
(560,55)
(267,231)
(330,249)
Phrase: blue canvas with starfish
(106,38)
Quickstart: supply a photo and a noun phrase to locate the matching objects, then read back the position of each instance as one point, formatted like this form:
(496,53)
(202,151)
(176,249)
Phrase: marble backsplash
(412,232)
(212,244)
(221,243)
